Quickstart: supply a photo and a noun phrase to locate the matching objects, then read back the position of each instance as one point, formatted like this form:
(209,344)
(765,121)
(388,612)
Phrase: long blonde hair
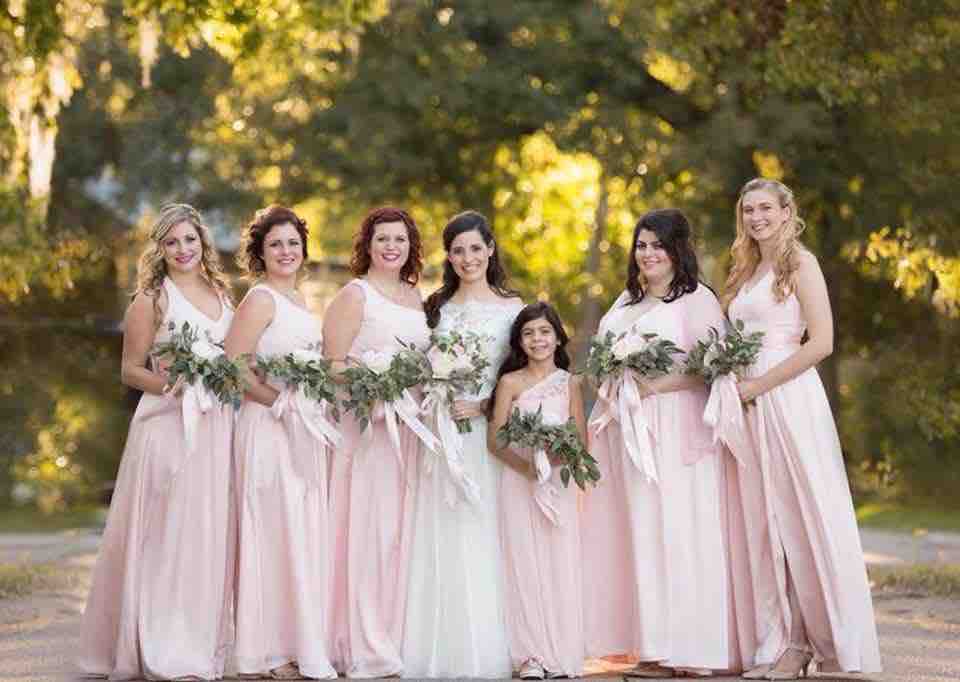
(745,252)
(152,269)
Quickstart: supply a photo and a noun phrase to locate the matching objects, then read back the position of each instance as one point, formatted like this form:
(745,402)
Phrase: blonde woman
(800,586)
(159,605)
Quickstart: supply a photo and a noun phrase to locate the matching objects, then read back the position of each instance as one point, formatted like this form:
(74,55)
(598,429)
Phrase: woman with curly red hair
(371,505)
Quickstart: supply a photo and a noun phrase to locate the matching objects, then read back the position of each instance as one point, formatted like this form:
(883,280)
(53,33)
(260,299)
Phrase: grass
(942,580)
(900,517)
(17,580)
(31,520)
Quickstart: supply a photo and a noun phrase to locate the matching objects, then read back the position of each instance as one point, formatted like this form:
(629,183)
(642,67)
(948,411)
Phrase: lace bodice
(490,319)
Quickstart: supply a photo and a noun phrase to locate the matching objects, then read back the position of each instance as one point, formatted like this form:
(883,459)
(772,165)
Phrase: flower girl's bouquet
(542,435)
(378,387)
(720,360)
(309,391)
(616,362)
(198,368)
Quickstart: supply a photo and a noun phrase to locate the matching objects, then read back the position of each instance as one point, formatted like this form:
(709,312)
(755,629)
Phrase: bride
(455,618)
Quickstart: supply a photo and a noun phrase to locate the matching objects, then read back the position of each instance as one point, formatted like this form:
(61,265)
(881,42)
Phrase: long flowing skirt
(657,585)
(284,551)
(371,500)
(791,518)
(543,576)
(455,624)
(161,601)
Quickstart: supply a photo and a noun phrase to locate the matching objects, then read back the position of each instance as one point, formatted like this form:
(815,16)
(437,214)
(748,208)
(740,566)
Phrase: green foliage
(941,580)
(383,381)
(194,359)
(908,518)
(18,580)
(457,363)
(561,441)
(646,354)
(304,370)
(718,356)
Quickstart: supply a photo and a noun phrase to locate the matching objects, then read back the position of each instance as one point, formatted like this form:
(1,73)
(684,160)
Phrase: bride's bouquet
(615,362)
(310,390)
(645,353)
(720,360)
(457,363)
(719,356)
(529,430)
(196,361)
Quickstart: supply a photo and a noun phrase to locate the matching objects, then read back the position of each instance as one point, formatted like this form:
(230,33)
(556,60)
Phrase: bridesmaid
(658,588)
(370,494)
(455,621)
(799,578)
(282,568)
(154,610)
(539,523)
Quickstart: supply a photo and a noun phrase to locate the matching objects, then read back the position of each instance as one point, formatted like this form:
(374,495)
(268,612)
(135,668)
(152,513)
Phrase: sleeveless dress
(371,498)
(155,611)
(284,552)
(657,587)
(455,623)
(791,514)
(542,559)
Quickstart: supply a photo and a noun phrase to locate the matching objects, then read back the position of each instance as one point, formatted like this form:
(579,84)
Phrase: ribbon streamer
(627,409)
(451,441)
(724,414)
(405,409)
(545,490)
(300,414)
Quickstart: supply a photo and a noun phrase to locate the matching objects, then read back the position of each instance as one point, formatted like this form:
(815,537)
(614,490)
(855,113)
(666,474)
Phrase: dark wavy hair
(673,230)
(517,358)
(250,255)
(360,260)
(467,221)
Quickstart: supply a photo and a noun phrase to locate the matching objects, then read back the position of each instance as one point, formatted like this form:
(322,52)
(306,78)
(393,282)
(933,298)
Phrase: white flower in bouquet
(376,361)
(443,364)
(304,355)
(628,345)
(713,352)
(205,349)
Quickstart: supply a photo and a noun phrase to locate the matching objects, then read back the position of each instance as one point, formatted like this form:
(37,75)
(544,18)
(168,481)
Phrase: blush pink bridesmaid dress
(541,552)
(284,550)
(371,498)
(791,514)
(161,602)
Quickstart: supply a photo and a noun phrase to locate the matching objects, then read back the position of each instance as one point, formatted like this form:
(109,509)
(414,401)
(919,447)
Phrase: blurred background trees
(563,121)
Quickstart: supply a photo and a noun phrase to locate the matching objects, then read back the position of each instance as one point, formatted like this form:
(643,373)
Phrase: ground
(919,634)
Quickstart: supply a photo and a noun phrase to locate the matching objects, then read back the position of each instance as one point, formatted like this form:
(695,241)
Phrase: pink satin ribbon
(296,410)
(627,409)
(724,414)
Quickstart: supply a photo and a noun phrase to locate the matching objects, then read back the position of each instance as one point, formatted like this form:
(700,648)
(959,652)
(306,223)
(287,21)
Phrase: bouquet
(528,430)
(383,378)
(718,356)
(304,370)
(647,354)
(457,364)
(197,361)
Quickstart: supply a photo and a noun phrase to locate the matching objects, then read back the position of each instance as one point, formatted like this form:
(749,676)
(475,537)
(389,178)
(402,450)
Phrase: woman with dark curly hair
(658,584)
(283,551)
(371,502)
(154,609)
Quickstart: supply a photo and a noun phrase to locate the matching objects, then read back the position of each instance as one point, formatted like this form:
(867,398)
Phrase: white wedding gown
(455,624)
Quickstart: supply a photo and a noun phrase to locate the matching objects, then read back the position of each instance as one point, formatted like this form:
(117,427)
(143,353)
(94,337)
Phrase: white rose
(462,362)
(628,345)
(376,361)
(441,363)
(205,350)
(303,356)
(712,354)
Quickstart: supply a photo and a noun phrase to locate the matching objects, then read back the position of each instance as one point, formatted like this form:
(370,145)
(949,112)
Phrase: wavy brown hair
(745,252)
(250,255)
(673,231)
(360,260)
(152,268)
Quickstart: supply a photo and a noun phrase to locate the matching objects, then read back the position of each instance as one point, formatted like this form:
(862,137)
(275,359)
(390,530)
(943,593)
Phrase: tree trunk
(591,310)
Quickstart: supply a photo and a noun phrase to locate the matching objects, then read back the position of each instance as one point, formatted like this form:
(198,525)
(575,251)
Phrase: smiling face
(762,215)
(469,256)
(389,246)
(538,339)
(652,258)
(282,250)
(182,248)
